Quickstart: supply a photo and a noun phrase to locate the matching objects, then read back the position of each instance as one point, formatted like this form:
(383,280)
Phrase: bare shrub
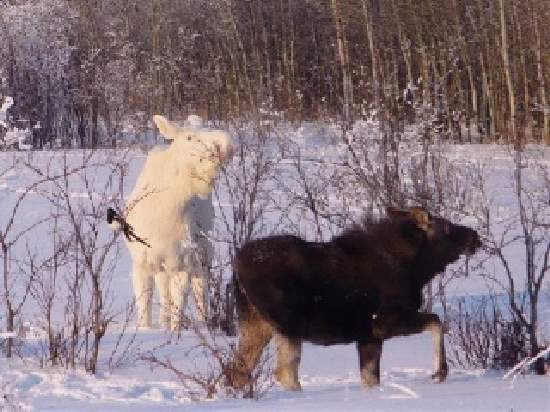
(16,284)
(247,208)
(75,278)
(522,231)
(125,349)
(209,363)
(481,335)
(9,401)
(501,332)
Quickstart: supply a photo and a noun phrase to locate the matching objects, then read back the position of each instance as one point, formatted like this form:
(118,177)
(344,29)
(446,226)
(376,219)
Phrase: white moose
(171,208)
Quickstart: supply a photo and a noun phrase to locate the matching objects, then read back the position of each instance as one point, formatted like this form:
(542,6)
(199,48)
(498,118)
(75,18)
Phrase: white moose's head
(201,151)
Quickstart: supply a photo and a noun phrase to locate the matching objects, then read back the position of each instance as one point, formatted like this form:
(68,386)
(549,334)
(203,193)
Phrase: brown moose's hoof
(237,380)
(291,386)
(236,374)
(440,375)
(370,381)
(287,382)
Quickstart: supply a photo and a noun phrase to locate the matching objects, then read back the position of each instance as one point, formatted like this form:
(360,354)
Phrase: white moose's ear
(166,128)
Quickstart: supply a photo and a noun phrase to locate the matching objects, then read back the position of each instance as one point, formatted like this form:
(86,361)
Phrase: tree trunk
(95,119)
(347,91)
(7,302)
(508,72)
(369,18)
(542,86)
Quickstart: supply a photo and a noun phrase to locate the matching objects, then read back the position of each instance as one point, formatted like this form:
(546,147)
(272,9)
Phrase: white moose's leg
(179,290)
(143,291)
(200,295)
(162,282)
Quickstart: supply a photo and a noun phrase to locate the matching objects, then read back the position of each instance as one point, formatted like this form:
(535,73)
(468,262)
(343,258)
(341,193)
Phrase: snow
(13,136)
(329,375)
(6,104)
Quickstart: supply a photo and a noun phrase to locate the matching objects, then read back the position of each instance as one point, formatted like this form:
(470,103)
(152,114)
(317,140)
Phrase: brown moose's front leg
(440,362)
(369,362)
(289,354)
(400,323)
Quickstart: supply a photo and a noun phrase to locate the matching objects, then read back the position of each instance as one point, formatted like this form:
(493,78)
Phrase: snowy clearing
(330,376)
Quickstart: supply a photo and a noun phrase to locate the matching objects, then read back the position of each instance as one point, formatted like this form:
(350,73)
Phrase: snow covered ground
(329,376)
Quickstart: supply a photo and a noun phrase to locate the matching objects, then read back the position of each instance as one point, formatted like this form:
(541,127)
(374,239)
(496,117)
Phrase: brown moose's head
(447,240)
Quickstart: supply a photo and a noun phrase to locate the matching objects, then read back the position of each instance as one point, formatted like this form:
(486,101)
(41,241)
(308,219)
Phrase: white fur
(171,208)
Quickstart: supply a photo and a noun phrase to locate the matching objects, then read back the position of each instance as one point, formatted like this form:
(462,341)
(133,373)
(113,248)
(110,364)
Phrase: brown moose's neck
(428,264)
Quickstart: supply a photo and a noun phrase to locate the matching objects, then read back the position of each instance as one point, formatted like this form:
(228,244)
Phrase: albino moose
(171,209)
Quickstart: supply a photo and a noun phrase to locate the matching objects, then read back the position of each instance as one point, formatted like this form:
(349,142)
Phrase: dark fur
(363,286)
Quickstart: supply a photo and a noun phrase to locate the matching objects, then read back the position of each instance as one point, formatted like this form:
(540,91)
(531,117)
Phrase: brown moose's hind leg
(254,334)
(369,362)
(289,354)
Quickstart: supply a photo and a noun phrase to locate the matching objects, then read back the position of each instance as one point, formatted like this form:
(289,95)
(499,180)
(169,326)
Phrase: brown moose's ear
(396,213)
(421,216)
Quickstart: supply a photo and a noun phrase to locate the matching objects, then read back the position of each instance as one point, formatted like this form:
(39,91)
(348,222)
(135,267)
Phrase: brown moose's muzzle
(474,242)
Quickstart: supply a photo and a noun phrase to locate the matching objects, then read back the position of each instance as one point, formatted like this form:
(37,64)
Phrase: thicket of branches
(57,257)
(92,71)
(62,260)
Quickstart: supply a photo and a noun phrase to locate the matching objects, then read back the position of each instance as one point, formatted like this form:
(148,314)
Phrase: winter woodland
(335,110)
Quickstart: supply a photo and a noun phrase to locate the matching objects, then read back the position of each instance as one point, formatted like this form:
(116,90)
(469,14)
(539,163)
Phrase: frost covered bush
(481,335)
(71,263)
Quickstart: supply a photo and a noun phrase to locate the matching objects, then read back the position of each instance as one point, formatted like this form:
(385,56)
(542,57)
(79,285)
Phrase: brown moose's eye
(189,138)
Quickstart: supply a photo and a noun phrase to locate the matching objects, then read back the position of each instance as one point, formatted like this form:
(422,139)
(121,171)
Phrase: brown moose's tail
(244,307)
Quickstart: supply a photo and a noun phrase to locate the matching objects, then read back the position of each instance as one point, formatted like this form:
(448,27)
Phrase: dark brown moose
(363,286)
